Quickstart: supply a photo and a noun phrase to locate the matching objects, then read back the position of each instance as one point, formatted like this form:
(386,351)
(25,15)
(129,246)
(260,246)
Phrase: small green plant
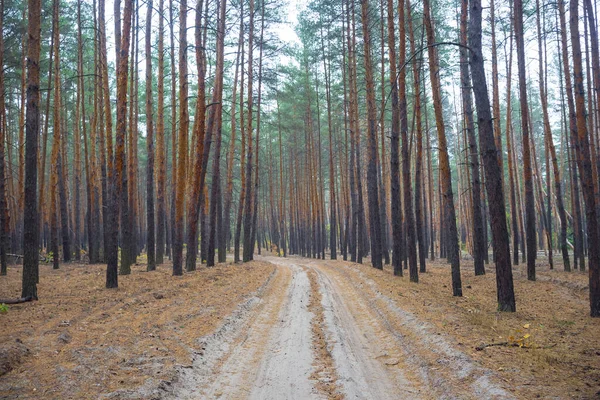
(3,308)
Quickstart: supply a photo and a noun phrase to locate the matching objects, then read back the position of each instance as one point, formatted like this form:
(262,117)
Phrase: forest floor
(283,328)
(82,341)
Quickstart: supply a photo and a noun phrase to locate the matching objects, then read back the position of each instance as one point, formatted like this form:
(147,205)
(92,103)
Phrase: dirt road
(322,330)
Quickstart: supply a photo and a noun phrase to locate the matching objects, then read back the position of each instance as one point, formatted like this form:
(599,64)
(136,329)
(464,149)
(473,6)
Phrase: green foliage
(3,308)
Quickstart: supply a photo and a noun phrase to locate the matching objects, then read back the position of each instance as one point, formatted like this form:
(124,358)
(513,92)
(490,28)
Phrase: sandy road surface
(321,329)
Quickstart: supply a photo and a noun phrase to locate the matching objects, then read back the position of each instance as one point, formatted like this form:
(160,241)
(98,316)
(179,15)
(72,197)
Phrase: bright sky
(286,30)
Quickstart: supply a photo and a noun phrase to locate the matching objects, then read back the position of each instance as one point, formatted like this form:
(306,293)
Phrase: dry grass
(560,357)
(86,340)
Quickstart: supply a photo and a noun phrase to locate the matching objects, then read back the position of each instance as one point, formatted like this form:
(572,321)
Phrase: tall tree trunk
(248,245)
(332,202)
(397,235)
(23,88)
(527,170)
(197,204)
(584,162)
(552,150)
(372,191)
(171,227)
(182,143)
(477,222)
(362,239)
(496,92)
(231,152)
(409,218)
(445,174)
(514,214)
(595,57)
(242,201)
(63,178)
(258,115)
(572,137)
(89,183)
(32,123)
(419,198)
(3,136)
(53,210)
(77,143)
(42,159)
(106,137)
(126,210)
(96,238)
(116,184)
(282,225)
(216,179)
(493,173)
(150,247)
(161,214)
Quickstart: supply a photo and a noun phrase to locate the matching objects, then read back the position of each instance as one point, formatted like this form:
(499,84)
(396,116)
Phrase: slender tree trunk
(231,152)
(282,225)
(150,247)
(511,168)
(496,91)
(527,170)
(373,192)
(32,122)
(445,174)
(161,214)
(258,115)
(116,184)
(409,218)
(477,222)
(54,177)
(552,150)
(23,87)
(248,245)
(126,199)
(106,137)
(62,194)
(171,228)
(572,137)
(397,234)
(242,201)
(42,158)
(182,143)
(332,202)
(216,179)
(3,135)
(419,199)
(200,136)
(595,58)
(77,141)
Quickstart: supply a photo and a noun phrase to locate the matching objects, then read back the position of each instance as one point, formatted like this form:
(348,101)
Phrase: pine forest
(294,199)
